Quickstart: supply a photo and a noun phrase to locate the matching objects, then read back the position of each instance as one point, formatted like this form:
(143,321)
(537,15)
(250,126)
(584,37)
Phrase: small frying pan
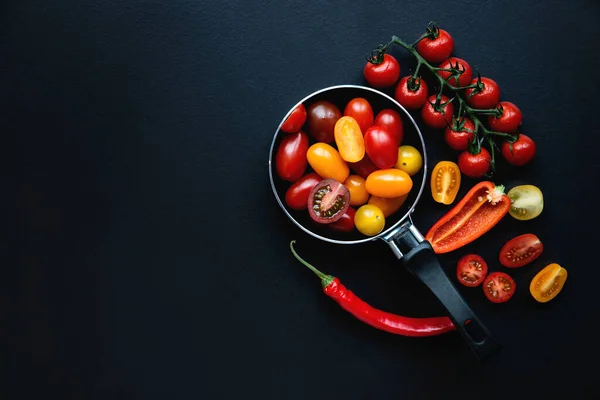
(400,234)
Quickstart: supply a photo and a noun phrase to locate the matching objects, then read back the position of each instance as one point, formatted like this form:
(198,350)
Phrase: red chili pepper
(477,212)
(385,321)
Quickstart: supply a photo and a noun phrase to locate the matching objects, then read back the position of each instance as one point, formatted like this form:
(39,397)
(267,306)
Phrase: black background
(144,255)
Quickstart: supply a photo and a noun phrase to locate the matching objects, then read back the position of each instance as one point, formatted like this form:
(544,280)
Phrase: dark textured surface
(143,255)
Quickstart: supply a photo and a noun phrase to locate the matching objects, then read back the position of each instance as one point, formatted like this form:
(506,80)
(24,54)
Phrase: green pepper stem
(325,279)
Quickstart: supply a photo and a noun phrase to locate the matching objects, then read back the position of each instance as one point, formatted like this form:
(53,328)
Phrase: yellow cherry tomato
(389,183)
(526,202)
(388,206)
(349,139)
(369,220)
(327,162)
(358,190)
(445,182)
(547,283)
(409,160)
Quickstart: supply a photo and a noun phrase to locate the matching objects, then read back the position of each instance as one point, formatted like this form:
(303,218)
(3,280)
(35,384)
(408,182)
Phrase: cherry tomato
(459,133)
(475,165)
(369,220)
(328,201)
(521,151)
(547,283)
(296,197)
(360,109)
(526,202)
(521,250)
(437,49)
(499,287)
(434,118)
(327,162)
(388,206)
(356,184)
(409,160)
(392,121)
(364,167)
(349,139)
(290,160)
(294,122)
(381,147)
(471,270)
(509,121)
(464,79)
(384,74)
(445,182)
(389,183)
(486,97)
(321,117)
(345,223)
(411,93)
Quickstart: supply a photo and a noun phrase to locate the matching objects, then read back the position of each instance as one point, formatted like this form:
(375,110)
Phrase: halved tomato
(521,250)
(498,287)
(547,283)
(445,182)
(526,202)
(328,201)
(471,270)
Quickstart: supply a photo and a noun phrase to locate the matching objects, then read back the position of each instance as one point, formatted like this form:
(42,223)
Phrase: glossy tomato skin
(438,49)
(321,118)
(326,161)
(369,220)
(498,287)
(471,270)
(487,98)
(389,183)
(290,160)
(388,205)
(381,147)
(454,62)
(437,119)
(345,223)
(475,165)
(410,159)
(362,112)
(521,250)
(523,150)
(509,121)
(364,167)
(457,137)
(384,74)
(295,121)
(356,184)
(296,197)
(411,99)
(349,139)
(392,121)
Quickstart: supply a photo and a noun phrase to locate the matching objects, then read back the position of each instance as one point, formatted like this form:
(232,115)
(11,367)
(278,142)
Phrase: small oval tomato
(389,183)
(290,160)
(345,223)
(471,270)
(321,117)
(384,74)
(356,184)
(296,197)
(526,202)
(475,165)
(349,139)
(509,121)
(499,287)
(294,122)
(327,162)
(388,206)
(360,109)
(364,167)
(459,133)
(486,96)
(409,160)
(438,48)
(392,121)
(520,152)
(381,147)
(466,73)
(438,116)
(547,283)
(411,93)
(521,250)
(445,182)
(369,220)
(328,201)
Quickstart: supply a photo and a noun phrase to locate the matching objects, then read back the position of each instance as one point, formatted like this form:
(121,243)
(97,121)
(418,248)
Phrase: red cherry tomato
(485,98)
(296,197)
(522,151)
(361,111)
(437,119)
(437,49)
(464,79)
(321,117)
(384,74)
(411,93)
(459,133)
(392,121)
(475,165)
(364,167)
(294,122)
(345,223)
(509,121)
(521,250)
(471,270)
(290,160)
(498,287)
(381,147)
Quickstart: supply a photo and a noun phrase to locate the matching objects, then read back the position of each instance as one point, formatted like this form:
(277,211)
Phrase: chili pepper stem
(325,279)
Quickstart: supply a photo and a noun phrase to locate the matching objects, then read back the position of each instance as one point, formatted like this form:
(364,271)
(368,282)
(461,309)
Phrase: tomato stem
(325,279)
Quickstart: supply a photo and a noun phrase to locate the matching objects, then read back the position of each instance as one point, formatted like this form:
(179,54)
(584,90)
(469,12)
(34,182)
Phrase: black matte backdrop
(144,255)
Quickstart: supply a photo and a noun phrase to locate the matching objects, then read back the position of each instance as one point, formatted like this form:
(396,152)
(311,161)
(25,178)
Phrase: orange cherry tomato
(547,283)
(349,139)
(358,190)
(327,162)
(388,206)
(389,183)
(445,182)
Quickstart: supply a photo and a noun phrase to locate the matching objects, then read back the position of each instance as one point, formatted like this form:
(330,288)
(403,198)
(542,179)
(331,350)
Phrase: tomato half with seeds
(327,162)
(509,121)
(296,196)
(294,122)
(349,139)
(498,287)
(388,205)
(465,72)
(369,220)
(547,283)
(356,184)
(459,133)
(411,93)
(381,147)
(526,202)
(345,223)
(328,201)
(471,270)
(437,116)
(391,120)
(520,152)
(321,118)
(437,48)
(445,182)
(290,160)
(521,250)
(360,109)
(475,165)
(389,183)
(384,74)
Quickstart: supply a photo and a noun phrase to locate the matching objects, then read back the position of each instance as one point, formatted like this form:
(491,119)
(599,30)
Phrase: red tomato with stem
(411,93)
(521,250)
(509,121)
(471,270)
(464,79)
(360,109)
(381,147)
(296,197)
(498,287)
(384,74)
(486,96)
(475,165)
(459,133)
(520,152)
(290,160)
(437,48)
(392,121)
(345,223)
(437,116)
(295,121)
